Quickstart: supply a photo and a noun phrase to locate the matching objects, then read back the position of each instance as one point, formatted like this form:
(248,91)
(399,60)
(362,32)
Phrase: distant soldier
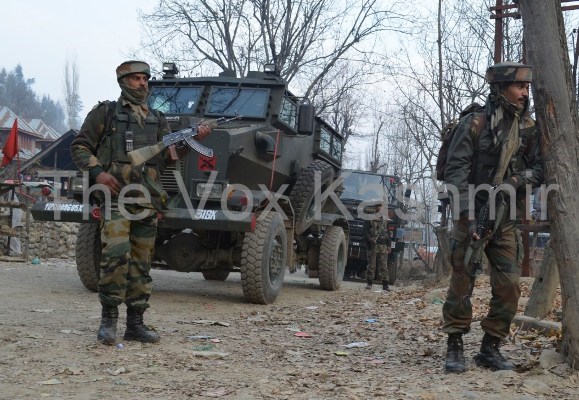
(109,131)
(377,240)
(497,147)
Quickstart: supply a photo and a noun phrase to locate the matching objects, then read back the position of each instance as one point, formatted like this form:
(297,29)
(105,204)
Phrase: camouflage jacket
(473,159)
(377,231)
(95,150)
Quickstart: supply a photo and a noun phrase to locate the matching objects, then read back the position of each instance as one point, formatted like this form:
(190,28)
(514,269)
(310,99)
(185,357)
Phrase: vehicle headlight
(215,190)
(76,185)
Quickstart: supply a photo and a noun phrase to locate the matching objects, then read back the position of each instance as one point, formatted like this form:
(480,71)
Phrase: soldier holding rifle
(109,133)
(503,156)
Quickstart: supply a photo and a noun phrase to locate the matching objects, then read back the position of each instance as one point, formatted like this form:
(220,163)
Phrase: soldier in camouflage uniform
(495,146)
(128,236)
(377,240)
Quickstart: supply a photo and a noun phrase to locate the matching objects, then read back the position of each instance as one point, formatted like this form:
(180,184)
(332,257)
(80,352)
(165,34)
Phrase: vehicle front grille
(357,228)
(168,178)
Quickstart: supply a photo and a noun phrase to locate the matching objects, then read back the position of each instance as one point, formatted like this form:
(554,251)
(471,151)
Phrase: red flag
(11,146)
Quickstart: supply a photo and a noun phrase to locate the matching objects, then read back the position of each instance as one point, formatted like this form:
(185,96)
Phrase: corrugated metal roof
(45,130)
(46,156)
(7,118)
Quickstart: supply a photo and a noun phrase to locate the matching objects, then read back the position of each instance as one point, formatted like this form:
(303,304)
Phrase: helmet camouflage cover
(133,67)
(509,72)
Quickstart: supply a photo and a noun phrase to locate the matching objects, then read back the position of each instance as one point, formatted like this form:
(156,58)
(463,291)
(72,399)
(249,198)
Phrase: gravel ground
(310,344)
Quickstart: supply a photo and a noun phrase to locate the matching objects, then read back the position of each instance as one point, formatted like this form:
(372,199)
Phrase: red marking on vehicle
(253,222)
(206,163)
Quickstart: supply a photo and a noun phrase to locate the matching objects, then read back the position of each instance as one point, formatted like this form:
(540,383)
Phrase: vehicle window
(369,187)
(289,113)
(330,143)
(174,100)
(326,141)
(232,101)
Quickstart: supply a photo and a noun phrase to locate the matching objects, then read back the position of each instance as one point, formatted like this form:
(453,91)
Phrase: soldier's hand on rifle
(203,131)
(510,185)
(472,230)
(104,178)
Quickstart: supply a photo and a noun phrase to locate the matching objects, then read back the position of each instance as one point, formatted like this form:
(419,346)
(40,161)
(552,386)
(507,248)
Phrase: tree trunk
(544,287)
(556,112)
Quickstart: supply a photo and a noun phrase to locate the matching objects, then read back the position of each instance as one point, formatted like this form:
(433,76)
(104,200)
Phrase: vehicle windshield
(369,187)
(174,100)
(232,101)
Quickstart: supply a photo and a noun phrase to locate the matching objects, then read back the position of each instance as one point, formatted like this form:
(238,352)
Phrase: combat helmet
(509,71)
(133,67)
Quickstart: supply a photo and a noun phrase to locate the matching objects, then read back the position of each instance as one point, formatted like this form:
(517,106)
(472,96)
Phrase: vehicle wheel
(215,274)
(302,195)
(392,267)
(264,256)
(333,256)
(88,255)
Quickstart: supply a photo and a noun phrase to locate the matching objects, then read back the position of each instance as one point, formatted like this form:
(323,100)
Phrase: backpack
(449,131)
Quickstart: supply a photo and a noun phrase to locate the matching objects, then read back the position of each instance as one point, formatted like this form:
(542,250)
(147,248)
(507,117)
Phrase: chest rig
(487,155)
(128,135)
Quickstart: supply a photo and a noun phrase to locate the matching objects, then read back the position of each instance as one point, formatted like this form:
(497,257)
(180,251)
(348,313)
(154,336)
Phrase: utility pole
(501,11)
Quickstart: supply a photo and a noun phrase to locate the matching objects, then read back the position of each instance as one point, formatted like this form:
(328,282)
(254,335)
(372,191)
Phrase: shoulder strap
(109,117)
(478,121)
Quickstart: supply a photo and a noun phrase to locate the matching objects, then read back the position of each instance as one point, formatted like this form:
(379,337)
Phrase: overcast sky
(40,35)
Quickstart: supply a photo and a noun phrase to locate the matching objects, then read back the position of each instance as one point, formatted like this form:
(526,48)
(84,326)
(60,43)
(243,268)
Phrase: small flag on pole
(11,146)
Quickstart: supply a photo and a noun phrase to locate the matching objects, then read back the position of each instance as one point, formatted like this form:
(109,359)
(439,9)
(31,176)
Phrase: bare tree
(556,110)
(325,50)
(302,37)
(72,101)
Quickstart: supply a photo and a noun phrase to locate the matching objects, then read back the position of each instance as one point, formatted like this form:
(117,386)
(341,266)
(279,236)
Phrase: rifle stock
(144,154)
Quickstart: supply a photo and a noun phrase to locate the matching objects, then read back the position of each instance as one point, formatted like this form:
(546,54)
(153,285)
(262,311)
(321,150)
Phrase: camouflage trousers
(377,263)
(127,250)
(505,254)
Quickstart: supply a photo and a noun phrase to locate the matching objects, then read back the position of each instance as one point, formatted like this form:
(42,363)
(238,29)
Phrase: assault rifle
(187,136)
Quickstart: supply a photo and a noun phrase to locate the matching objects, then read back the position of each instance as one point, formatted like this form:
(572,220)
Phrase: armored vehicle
(251,206)
(362,187)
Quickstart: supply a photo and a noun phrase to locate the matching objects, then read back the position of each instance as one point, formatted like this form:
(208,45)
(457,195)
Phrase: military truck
(362,187)
(252,206)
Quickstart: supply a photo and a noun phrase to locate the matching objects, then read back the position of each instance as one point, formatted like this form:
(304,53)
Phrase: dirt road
(311,344)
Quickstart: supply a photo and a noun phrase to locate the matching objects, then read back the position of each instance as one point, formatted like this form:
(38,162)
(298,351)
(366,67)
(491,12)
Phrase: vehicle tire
(264,257)
(302,195)
(215,274)
(88,255)
(392,267)
(333,258)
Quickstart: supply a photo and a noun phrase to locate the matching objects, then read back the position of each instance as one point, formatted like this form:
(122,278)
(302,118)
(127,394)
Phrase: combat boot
(490,356)
(138,331)
(455,362)
(369,285)
(385,287)
(108,329)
